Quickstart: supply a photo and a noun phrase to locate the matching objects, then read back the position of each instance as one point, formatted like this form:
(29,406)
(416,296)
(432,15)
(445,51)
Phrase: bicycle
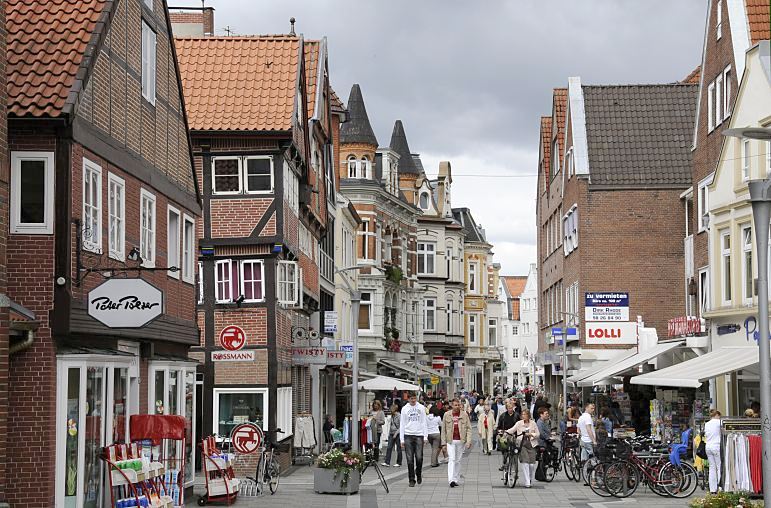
(510,459)
(622,477)
(549,457)
(268,471)
(569,456)
(370,460)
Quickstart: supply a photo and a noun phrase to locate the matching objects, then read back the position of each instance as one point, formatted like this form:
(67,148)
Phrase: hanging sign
(335,357)
(348,348)
(309,355)
(330,321)
(125,303)
(232,338)
(246,438)
(246,355)
(606,306)
(434,380)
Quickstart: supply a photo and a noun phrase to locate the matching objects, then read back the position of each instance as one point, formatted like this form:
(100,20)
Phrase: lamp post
(572,318)
(760,197)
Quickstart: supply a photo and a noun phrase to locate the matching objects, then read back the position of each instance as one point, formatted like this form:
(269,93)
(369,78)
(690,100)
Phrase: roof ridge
(651,85)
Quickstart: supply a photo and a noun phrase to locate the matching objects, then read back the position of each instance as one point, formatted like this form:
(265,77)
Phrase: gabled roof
(472,232)
(311,49)
(515,284)
(356,128)
(243,83)
(399,145)
(759,20)
(47,41)
(640,134)
(693,77)
(545,150)
(560,108)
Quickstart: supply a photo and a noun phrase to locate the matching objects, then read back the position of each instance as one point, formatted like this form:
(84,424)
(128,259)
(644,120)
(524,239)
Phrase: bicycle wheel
(381,477)
(505,470)
(513,469)
(549,471)
(621,478)
(597,479)
(272,475)
(577,465)
(567,459)
(586,467)
(678,481)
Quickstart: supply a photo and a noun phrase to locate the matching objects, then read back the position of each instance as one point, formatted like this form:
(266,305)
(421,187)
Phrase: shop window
(116,205)
(148,62)
(252,276)
(32,193)
(429,314)
(188,249)
(288,282)
(236,406)
(365,312)
(147,227)
(172,237)
(92,206)
(426,258)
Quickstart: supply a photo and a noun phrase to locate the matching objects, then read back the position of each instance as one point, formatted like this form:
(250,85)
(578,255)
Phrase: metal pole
(760,197)
(415,348)
(355,301)
(565,375)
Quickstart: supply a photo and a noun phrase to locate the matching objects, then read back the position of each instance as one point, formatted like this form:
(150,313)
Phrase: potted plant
(725,500)
(338,472)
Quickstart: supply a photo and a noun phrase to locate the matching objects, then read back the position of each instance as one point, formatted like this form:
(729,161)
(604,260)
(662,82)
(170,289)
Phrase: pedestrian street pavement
(481,486)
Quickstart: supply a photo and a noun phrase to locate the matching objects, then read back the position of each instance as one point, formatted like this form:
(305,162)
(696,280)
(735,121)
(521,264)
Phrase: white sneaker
(385,464)
(397,465)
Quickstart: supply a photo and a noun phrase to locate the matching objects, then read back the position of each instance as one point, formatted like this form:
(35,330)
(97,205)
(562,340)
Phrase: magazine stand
(135,481)
(221,482)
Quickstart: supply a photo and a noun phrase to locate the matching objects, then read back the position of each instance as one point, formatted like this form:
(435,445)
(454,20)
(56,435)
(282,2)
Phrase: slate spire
(357,129)
(399,145)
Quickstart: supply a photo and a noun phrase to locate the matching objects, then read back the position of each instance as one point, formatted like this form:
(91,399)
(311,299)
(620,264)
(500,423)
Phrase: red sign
(683,326)
(440,362)
(246,438)
(232,338)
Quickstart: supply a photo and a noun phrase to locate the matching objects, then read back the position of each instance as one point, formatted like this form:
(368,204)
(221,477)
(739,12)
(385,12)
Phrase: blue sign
(568,331)
(609,299)
(556,331)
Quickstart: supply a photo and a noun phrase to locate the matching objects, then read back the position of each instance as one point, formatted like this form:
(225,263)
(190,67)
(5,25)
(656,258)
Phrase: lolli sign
(624,332)
(125,303)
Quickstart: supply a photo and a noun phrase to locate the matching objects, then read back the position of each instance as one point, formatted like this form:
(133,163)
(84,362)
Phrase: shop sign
(246,438)
(348,348)
(335,358)
(434,380)
(611,333)
(125,303)
(309,355)
(440,362)
(330,321)
(233,356)
(606,306)
(232,338)
(684,326)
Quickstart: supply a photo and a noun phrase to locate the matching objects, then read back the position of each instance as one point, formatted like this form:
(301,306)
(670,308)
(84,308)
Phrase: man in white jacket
(413,432)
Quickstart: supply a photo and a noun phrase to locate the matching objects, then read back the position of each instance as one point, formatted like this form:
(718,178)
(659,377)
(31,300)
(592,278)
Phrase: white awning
(693,373)
(602,365)
(385,383)
(629,363)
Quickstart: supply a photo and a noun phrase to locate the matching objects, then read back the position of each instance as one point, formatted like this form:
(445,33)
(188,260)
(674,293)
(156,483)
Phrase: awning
(385,383)
(428,372)
(626,353)
(629,363)
(399,367)
(409,369)
(694,372)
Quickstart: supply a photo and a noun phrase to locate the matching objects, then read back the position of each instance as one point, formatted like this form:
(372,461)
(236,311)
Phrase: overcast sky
(470,79)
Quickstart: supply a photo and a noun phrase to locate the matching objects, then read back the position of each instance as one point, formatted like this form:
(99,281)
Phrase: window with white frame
(148,62)
(703,205)
(116,210)
(473,277)
(746,158)
(252,277)
(291,189)
(363,236)
(515,353)
(570,231)
(147,228)
(258,174)
(172,236)
(704,291)
(242,175)
(223,280)
(226,175)
(352,167)
(306,241)
(32,193)
(365,312)
(429,314)
(288,282)
(711,107)
(364,167)
(426,258)
(725,255)
(448,261)
(569,162)
(555,158)
(92,206)
(719,20)
(492,332)
(448,310)
(473,329)
(726,92)
(200,282)
(188,249)
(747,278)
(234,406)
(719,91)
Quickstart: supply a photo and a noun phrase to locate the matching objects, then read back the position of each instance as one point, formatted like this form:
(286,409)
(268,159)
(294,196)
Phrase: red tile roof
(515,284)
(47,40)
(546,140)
(693,77)
(254,89)
(311,73)
(515,315)
(759,20)
(560,108)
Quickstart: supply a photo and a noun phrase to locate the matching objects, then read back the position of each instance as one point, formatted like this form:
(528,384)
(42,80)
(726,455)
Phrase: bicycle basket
(623,450)
(503,443)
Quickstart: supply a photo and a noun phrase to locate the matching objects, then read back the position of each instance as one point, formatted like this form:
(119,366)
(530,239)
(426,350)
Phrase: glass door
(94,438)
(68,425)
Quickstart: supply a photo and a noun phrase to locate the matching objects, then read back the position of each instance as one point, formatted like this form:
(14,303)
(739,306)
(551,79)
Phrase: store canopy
(399,367)
(428,372)
(626,353)
(385,383)
(693,373)
(631,362)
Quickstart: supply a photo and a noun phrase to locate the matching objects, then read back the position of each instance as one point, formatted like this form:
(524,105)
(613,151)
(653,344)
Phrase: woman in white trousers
(712,437)
(528,442)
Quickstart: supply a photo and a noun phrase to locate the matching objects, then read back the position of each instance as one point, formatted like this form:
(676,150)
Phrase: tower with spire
(358,143)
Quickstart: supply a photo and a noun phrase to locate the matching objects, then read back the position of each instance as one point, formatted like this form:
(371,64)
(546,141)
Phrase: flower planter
(329,481)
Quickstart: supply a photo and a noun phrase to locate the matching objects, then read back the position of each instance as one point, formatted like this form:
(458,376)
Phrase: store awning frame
(629,363)
(694,372)
(626,353)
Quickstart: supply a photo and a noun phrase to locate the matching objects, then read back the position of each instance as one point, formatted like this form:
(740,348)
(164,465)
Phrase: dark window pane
(32,192)
(226,175)
(258,175)
(237,408)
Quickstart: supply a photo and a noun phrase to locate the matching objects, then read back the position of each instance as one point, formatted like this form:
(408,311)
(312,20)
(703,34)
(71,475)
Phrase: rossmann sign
(623,332)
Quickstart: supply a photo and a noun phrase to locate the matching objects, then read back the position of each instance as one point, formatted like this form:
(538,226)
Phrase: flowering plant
(725,500)
(342,462)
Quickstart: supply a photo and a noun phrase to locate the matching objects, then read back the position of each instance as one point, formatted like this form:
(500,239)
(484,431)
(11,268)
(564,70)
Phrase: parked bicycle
(570,456)
(268,470)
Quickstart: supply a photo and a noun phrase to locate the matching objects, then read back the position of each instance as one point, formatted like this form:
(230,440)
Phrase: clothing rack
(740,451)
(304,437)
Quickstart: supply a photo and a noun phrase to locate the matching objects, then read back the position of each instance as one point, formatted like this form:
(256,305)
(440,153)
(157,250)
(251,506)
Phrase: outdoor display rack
(221,482)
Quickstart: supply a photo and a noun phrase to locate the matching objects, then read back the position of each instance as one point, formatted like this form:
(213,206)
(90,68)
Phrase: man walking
(413,432)
(456,435)
(586,430)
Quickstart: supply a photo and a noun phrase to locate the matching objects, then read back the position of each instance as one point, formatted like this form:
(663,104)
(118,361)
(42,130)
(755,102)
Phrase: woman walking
(434,434)
(526,431)
(377,419)
(486,429)
(393,437)
(712,436)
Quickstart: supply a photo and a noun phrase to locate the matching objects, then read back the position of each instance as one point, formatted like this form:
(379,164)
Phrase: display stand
(135,481)
(741,451)
(221,482)
(164,438)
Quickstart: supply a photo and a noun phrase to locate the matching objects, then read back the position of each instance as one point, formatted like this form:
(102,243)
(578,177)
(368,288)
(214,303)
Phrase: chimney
(208,21)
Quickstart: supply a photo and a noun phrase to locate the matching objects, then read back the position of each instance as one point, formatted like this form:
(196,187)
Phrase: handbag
(701,450)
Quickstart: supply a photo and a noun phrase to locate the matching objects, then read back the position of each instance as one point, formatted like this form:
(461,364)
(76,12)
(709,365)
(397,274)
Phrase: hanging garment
(742,469)
(698,462)
(304,432)
(347,430)
(756,457)
(364,432)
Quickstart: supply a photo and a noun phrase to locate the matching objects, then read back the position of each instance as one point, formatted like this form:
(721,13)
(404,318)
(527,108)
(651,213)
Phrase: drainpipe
(24,344)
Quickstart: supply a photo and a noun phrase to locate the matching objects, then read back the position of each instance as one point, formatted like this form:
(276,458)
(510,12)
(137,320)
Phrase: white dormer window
(423,202)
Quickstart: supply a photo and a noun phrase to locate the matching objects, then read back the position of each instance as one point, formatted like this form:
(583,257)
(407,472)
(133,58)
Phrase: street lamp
(760,197)
(355,304)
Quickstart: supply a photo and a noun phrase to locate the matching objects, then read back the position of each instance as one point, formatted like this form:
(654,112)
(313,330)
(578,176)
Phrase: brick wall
(236,218)
(4,200)
(243,373)
(253,320)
